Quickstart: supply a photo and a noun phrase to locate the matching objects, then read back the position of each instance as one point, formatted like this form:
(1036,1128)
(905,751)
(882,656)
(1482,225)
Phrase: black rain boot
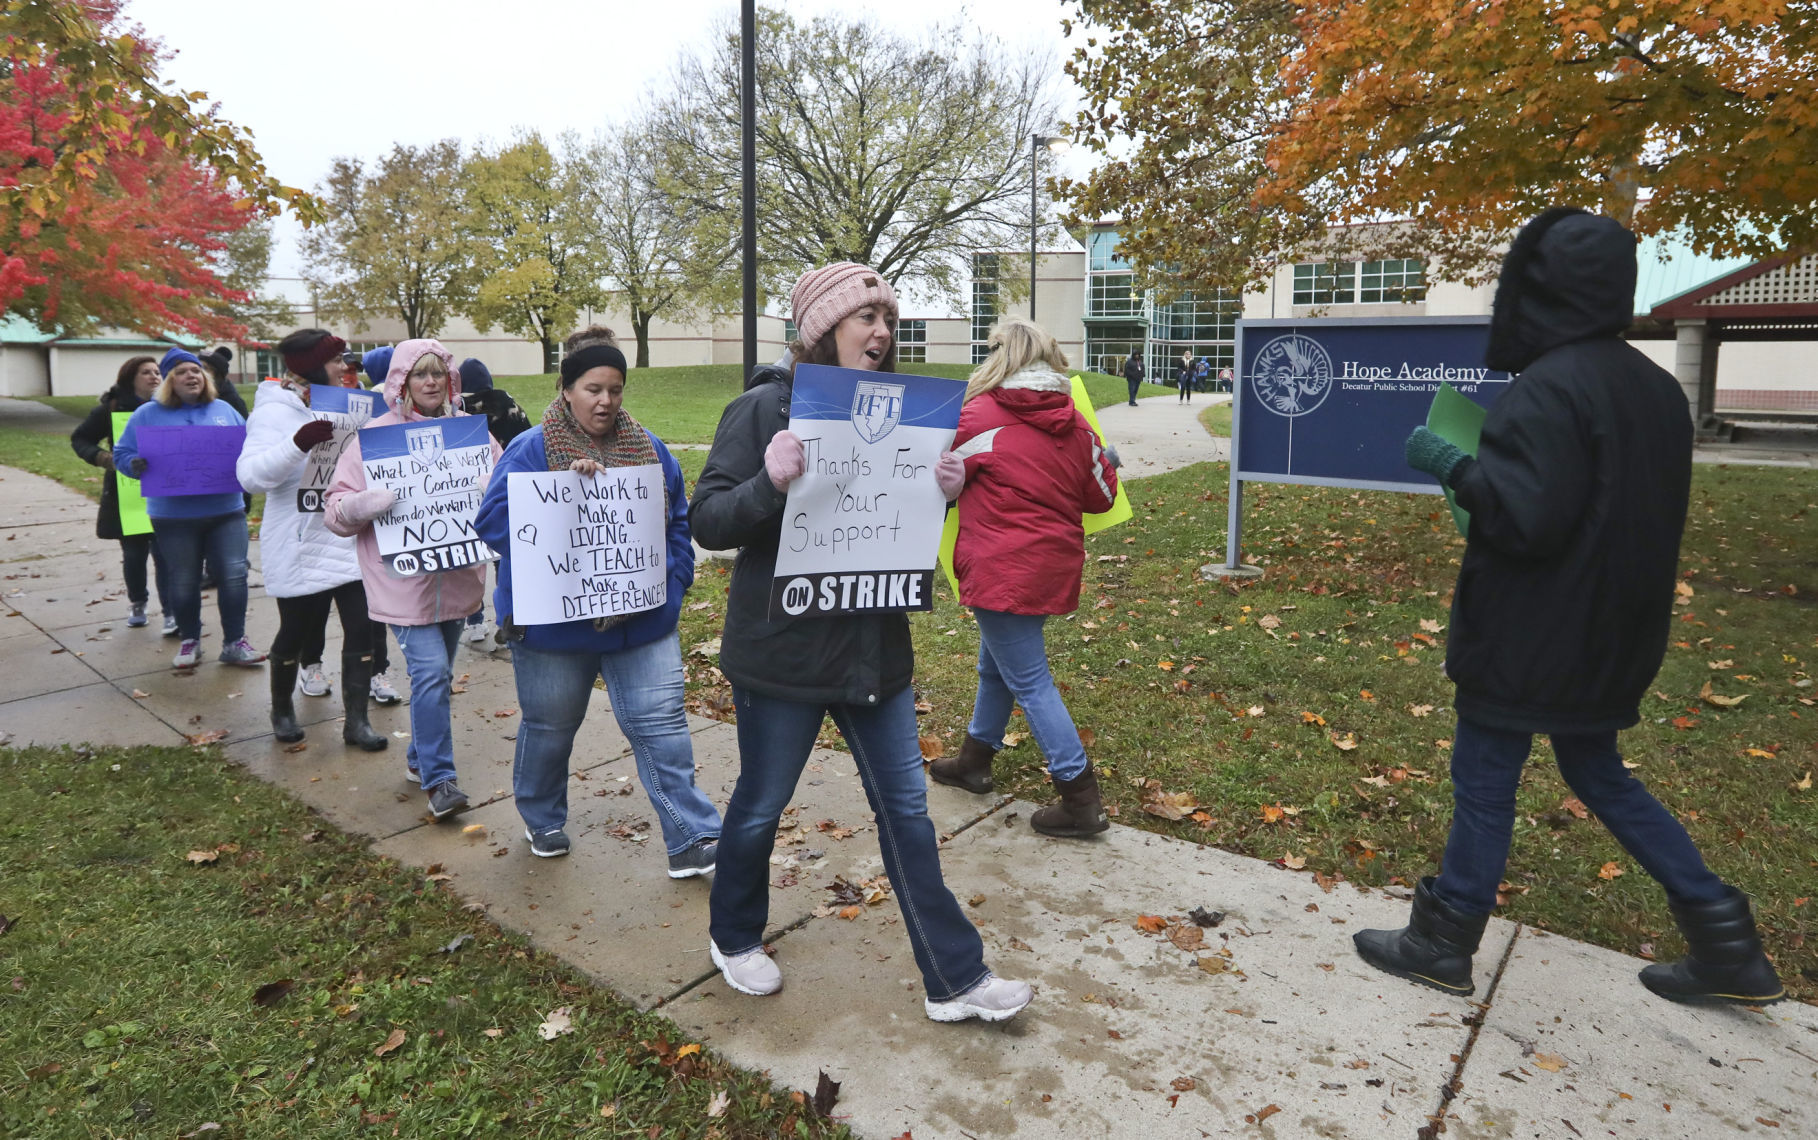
(356,691)
(283,707)
(1435,947)
(1724,961)
(970,770)
(1081,812)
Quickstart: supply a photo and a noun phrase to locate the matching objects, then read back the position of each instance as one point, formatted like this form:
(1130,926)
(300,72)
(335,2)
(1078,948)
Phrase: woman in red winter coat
(1034,467)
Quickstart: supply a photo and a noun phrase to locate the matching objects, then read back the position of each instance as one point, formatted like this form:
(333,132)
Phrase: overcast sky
(351,77)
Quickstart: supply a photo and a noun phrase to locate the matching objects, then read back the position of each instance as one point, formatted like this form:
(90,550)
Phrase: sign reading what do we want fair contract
(438,470)
(1330,401)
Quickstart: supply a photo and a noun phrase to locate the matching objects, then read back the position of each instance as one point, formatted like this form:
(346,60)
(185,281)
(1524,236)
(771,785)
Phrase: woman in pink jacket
(425,611)
(1034,468)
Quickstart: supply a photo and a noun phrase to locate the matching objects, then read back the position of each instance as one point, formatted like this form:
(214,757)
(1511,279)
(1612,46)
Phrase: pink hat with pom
(826,296)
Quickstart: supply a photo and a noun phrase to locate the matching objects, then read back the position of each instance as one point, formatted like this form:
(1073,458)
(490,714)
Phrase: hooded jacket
(297,552)
(1033,467)
(849,659)
(425,598)
(1577,495)
(92,437)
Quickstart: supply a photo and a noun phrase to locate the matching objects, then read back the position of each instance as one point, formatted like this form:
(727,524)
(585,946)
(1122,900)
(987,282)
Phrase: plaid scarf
(628,445)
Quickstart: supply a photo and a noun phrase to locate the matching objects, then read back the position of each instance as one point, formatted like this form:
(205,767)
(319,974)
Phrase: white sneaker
(475,634)
(993,999)
(751,972)
(381,690)
(311,681)
(188,654)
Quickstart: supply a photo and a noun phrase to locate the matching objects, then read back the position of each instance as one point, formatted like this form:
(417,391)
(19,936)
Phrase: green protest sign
(133,519)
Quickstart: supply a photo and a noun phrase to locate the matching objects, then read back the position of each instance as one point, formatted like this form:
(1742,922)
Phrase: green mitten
(1431,453)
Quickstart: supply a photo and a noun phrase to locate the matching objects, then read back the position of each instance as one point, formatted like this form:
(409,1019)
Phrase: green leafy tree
(393,240)
(529,217)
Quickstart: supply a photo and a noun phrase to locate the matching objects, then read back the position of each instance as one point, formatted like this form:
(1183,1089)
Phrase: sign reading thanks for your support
(587,546)
(347,410)
(1331,401)
(438,470)
(862,525)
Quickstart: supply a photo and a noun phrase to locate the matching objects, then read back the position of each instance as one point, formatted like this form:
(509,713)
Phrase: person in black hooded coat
(1560,616)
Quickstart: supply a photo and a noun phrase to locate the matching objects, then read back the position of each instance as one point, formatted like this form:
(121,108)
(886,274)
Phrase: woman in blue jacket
(586,429)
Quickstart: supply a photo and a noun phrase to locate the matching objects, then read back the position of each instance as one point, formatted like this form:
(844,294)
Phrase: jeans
(1013,669)
(303,624)
(134,549)
(775,738)
(428,652)
(1134,385)
(645,684)
(221,539)
(1486,769)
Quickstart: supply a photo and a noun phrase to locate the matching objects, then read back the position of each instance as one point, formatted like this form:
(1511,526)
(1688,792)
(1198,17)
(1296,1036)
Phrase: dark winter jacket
(854,659)
(93,436)
(504,418)
(1577,496)
(1133,369)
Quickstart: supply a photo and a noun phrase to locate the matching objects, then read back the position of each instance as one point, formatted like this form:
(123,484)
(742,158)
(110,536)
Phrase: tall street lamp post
(1055,144)
(748,173)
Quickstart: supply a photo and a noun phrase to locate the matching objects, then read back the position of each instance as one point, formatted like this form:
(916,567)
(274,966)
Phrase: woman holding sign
(1034,467)
(308,568)
(192,526)
(425,611)
(92,440)
(586,430)
(788,675)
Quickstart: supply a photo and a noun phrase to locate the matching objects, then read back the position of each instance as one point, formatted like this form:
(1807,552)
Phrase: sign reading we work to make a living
(1331,401)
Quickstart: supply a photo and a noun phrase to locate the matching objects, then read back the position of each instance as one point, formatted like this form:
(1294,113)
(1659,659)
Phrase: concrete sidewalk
(1264,1023)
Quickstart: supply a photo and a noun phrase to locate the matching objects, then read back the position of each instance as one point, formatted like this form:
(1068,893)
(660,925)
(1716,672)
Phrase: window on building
(1112,295)
(1402,280)
(984,303)
(1325,283)
(1101,251)
(1107,346)
(789,333)
(912,342)
(1394,281)
(268,363)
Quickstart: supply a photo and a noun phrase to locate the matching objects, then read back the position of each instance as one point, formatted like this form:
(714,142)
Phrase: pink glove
(785,459)
(361,507)
(950,475)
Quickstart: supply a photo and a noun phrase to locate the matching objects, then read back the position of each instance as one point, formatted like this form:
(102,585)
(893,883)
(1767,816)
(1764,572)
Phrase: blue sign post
(1330,401)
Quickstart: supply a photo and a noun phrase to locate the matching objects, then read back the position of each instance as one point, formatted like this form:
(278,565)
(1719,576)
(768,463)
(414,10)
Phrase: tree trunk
(640,322)
(549,353)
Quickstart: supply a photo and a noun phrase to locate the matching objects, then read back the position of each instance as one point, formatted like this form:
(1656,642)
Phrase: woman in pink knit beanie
(789,674)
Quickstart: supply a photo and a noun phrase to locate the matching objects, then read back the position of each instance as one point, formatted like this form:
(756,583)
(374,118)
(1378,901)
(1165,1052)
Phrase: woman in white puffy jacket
(307,567)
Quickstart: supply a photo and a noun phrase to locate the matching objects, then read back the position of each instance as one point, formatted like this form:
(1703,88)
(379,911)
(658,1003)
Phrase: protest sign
(348,409)
(438,470)
(863,523)
(587,546)
(1459,422)
(190,459)
(133,519)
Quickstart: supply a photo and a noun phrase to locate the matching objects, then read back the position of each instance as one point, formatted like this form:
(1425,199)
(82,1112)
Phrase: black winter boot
(1724,961)
(1435,947)
(1080,812)
(356,681)
(970,770)
(283,709)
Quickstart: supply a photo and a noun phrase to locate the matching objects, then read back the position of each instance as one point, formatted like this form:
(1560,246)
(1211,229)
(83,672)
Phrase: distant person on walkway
(1133,374)
(137,379)
(425,611)
(587,429)
(219,362)
(375,363)
(1559,620)
(1033,468)
(789,675)
(191,528)
(506,421)
(1183,372)
(308,568)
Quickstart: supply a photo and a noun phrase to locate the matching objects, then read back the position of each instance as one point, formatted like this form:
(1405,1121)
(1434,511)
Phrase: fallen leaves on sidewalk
(212,736)
(1552,1063)
(826,1095)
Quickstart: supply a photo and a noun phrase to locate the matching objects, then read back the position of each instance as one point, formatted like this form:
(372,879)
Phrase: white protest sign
(862,526)
(347,409)
(438,470)
(585,547)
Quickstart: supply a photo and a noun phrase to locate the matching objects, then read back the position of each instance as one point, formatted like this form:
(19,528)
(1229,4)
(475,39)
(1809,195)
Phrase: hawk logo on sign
(876,409)
(1292,375)
(424,444)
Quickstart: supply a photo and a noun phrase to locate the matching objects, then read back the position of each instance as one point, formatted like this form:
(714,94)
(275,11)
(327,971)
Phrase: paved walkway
(1263,1024)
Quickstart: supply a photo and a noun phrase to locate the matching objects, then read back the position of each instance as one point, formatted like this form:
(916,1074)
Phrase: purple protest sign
(190,459)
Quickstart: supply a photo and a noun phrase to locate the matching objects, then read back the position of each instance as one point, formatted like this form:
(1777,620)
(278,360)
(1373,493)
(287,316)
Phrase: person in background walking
(1202,375)
(93,440)
(1183,378)
(426,611)
(1133,374)
(505,421)
(789,675)
(587,429)
(1033,468)
(1559,620)
(219,361)
(308,567)
(191,528)
(375,363)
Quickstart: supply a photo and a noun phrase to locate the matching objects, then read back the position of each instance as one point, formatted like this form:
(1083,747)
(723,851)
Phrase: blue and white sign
(862,527)
(1330,401)
(438,469)
(348,409)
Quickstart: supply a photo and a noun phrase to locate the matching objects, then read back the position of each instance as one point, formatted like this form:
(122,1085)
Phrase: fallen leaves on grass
(1805,785)
(1293,862)
(1428,625)
(1719,699)
(718,1104)
(202,857)
(1420,710)
(932,747)
(558,1022)
(271,993)
(392,1040)
(1312,718)
(1087,737)
(1576,807)
(1167,805)
(1609,871)
(1345,743)
(826,1095)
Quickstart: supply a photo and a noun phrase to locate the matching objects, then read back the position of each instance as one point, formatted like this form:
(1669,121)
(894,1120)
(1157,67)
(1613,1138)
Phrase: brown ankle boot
(970,770)
(1080,812)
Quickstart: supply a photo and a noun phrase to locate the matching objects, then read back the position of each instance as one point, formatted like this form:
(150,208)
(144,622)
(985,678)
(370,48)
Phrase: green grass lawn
(145,994)
(1217,420)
